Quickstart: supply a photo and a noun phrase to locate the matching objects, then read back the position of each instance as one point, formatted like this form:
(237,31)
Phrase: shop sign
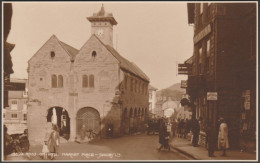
(212,96)
(202,34)
(184,84)
(247,105)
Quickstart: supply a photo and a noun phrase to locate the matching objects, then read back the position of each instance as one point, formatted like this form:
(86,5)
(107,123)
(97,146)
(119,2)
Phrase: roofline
(111,19)
(134,74)
(94,35)
(16,80)
(46,43)
(152,87)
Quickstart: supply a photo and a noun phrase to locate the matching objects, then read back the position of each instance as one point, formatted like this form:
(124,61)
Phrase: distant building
(167,107)
(183,114)
(15,115)
(152,98)
(94,86)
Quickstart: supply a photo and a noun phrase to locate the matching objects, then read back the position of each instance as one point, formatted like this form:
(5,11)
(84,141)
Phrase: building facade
(152,98)
(224,62)
(94,86)
(15,114)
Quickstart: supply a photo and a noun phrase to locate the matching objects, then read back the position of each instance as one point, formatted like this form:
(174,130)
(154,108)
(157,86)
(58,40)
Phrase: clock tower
(102,26)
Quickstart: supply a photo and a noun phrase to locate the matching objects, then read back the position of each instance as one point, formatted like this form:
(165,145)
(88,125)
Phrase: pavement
(184,146)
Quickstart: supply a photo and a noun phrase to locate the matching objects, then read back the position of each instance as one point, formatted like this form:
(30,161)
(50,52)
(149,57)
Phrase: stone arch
(135,113)
(131,113)
(63,120)
(87,118)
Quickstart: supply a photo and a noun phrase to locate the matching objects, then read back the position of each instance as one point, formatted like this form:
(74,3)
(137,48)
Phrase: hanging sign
(212,96)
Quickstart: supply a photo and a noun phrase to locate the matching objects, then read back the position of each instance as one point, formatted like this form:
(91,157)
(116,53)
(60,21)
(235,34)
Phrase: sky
(155,36)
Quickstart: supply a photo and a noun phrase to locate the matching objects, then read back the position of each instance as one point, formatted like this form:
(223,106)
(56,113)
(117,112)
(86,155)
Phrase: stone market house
(94,86)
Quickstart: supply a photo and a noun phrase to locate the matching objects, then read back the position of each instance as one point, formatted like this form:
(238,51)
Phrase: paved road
(136,147)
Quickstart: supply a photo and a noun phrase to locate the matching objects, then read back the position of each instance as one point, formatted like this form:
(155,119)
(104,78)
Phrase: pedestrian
(149,126)
(181,128)
(187,127)
(195,132)
(169,129)
(211,139)
(83,132)
(174,128)
(223,143)
(45,150)
(48,130)
(54,141)
(163,136)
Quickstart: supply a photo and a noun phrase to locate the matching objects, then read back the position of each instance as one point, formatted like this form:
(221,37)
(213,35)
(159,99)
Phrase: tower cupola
(102,25)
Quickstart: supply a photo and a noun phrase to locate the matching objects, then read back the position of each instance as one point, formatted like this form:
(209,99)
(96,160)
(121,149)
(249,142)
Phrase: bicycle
(91,134)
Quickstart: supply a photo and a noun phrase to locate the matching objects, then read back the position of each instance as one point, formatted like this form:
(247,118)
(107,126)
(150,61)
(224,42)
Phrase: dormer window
(94,54)
(52,54)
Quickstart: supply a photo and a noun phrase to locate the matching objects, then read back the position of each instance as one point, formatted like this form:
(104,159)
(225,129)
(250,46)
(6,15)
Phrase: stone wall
(73,96)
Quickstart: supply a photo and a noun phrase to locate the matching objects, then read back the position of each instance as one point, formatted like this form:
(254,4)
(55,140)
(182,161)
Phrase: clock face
(100,32)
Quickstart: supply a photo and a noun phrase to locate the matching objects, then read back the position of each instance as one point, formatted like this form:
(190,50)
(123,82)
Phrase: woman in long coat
(223,136)
(54,141)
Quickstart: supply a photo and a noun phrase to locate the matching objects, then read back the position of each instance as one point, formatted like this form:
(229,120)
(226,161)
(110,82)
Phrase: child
(45,150)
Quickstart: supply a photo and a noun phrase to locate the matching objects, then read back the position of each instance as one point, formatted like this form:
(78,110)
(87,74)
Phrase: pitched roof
(71,50)
(127,65)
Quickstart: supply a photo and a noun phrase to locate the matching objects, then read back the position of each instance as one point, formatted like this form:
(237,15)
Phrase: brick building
(224,62)
(94,86)
(15,114)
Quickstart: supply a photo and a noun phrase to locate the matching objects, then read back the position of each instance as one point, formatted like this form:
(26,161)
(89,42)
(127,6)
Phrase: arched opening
(125,121)
(88,119)
(60,117)
(131,113)
(125,113)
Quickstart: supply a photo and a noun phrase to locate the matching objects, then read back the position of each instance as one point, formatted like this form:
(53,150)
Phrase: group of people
(181,128)
(51,141)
